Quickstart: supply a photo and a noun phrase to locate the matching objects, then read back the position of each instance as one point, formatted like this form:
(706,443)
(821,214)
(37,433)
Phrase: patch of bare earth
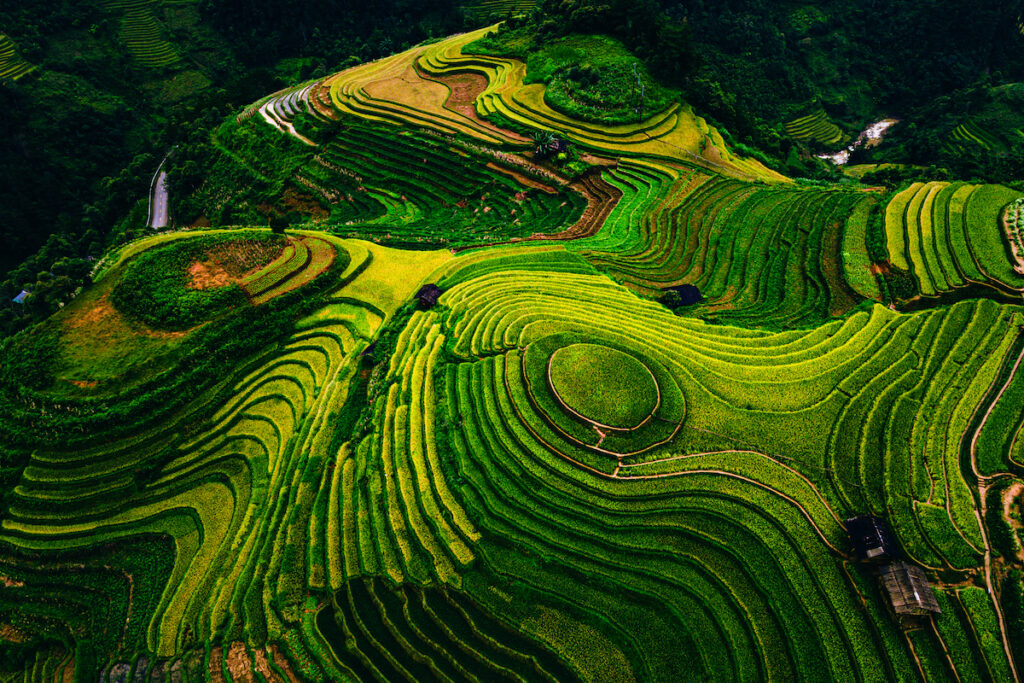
(207,275)
(216,675)
(261,665)
(231,262)
(8,582)
(102,319)
(238,663)
(465,87)
(304,203)
(601,196)
(12,634)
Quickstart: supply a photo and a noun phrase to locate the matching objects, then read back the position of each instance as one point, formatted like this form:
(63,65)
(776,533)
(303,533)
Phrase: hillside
(498,358)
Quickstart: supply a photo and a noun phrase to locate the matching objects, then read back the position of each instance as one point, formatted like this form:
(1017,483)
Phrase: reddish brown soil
(465,87)
(8,582)
(601,199)
(239,665)
(261,665)
(522,178)
(216,675)
(12,634)
(231,262)
(595,160)
(207,275)
(304,203)
(103,315)
(880,268)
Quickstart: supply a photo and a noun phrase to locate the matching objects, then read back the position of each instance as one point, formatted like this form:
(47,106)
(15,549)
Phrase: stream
(869,137)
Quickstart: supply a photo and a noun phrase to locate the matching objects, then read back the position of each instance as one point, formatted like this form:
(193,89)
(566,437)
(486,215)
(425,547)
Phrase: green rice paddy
(546,474)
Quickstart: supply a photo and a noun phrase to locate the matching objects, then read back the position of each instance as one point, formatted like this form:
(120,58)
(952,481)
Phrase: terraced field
(12,64)
(535,470)
(142,33)
(815,126)
(949,236)
(969,134)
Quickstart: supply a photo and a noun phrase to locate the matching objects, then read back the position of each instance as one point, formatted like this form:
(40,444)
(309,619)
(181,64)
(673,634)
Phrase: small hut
(908,589)
(20,299)
(428,295)
(871,538)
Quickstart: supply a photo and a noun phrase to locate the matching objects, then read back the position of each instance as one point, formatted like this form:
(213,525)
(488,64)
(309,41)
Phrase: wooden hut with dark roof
(427,296)
(909,592)
(872,539)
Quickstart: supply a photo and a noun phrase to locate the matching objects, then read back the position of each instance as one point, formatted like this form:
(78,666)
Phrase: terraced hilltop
(455,421)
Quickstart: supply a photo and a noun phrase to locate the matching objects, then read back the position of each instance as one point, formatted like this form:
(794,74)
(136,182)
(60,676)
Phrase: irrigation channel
(159,209)
(869,137)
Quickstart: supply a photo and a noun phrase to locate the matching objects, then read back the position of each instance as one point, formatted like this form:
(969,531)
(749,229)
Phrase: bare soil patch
(231,262)
(303,202)
(238,663)
(216,675)
(102,319)
(464,88)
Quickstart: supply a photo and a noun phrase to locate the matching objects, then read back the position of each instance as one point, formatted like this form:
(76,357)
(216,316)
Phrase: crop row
(715,591)
(869,413)
(815,126)
(970,134)
(412,185)
(141,34)
(948,235)
(392,91)
(236,492)
(670,134)
(12,65)
(759,256)
(832,397)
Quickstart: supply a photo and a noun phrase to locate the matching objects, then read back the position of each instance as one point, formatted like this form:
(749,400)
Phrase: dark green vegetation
(117,84)
(182,284)
(591,78)
(262,448)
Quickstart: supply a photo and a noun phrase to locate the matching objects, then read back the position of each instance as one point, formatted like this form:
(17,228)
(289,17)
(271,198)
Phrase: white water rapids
(869,137)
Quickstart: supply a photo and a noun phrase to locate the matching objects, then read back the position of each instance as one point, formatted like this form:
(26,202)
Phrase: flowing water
(869,137)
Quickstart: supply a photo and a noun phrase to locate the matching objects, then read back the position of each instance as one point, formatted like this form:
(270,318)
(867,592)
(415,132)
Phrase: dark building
(428,295)
(908,590)
(872,539)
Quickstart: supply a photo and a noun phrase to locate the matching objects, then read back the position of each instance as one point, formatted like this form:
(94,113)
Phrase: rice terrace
(512,354)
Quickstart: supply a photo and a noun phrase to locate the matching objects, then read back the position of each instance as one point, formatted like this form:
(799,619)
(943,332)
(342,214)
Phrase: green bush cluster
(155,288)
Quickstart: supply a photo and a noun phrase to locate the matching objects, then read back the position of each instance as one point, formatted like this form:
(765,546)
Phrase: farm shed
(428,295)
(871,538)
(908,589)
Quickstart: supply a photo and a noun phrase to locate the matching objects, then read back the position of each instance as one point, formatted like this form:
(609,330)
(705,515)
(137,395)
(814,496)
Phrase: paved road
(159,212)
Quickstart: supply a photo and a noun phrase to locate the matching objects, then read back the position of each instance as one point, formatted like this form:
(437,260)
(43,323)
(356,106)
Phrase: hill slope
(243,455)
